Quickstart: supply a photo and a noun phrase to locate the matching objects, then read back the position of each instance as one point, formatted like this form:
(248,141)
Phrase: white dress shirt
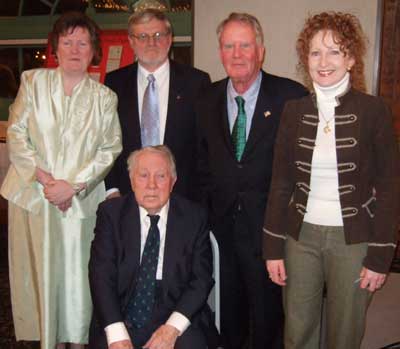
(117,331)
(161,75)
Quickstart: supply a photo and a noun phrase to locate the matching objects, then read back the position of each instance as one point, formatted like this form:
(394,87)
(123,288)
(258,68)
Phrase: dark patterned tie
(239,129)
(141,304)
(150,125)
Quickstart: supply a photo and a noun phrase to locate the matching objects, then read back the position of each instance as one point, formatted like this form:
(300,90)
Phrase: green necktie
(239,129)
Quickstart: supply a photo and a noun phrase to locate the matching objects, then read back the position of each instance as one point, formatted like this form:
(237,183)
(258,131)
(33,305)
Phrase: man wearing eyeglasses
(156,98)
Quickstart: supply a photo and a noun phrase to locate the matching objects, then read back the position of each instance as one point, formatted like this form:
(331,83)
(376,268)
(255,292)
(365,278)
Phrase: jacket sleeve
(382,245)
(282,184)
(22,152)
(103,271)
(194,296)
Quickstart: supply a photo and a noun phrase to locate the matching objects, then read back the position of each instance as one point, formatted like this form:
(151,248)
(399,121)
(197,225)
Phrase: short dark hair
(68,22)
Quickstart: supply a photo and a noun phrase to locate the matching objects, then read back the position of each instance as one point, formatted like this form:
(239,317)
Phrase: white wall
(281,20)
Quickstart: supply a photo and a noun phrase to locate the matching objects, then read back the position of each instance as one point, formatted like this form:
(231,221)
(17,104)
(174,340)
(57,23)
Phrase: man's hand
(125,344)
(58,191)
(277,272)
(371,280)
(163,338)
(115,194)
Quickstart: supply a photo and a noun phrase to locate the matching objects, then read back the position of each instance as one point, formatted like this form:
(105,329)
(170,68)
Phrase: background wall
(282,21)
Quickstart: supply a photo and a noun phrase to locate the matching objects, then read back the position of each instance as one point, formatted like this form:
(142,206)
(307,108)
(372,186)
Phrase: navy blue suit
(236,195)
(185,86)
(115,259)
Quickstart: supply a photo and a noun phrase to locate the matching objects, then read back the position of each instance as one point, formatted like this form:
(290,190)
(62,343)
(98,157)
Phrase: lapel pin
(267,113)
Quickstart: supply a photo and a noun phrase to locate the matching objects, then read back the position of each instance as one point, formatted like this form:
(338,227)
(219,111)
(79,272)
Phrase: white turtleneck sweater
(323,206)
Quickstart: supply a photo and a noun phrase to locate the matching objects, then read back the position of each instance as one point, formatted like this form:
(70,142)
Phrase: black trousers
(251,304)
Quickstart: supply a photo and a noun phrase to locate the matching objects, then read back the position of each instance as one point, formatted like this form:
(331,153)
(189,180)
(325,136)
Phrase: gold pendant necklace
(326,129)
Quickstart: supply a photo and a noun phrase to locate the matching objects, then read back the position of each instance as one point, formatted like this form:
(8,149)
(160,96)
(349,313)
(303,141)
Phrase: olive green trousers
(322,258)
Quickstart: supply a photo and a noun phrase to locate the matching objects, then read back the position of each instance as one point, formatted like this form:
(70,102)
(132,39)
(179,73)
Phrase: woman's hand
(43,177)
(58,192)
(371,280)
(64,206)
(277,272)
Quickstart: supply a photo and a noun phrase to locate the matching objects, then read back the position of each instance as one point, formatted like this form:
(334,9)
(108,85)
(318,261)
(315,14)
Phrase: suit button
(239,166)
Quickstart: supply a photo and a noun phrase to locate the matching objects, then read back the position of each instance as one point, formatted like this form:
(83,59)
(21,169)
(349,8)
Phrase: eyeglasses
(144,37)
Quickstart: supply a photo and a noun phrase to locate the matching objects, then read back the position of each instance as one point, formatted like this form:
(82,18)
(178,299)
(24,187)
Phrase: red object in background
(116,54)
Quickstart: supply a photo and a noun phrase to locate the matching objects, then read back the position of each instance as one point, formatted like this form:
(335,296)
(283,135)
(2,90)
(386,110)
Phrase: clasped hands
(57,191)
(163,338)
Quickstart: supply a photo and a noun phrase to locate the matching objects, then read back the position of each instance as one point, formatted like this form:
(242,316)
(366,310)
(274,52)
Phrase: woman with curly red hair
(334,202)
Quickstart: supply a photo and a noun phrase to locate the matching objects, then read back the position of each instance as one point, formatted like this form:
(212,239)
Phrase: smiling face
(240,54)
(153,52)
(151,181)
(74,51)
(327,64)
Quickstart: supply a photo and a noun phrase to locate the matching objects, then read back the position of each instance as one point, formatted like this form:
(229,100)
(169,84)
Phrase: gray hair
(243,18)
(146,16)
(158,149)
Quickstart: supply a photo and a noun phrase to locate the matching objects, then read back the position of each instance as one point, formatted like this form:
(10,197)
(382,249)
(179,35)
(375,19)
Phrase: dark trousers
(192,338)
(251,304)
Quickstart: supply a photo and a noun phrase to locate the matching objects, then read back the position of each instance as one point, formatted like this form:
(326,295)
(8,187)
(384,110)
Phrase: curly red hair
(347,33)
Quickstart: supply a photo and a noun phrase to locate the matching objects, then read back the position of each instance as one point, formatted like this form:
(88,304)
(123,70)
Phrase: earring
(348,68)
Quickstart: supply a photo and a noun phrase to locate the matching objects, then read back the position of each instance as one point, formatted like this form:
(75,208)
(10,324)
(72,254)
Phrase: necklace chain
(326,129)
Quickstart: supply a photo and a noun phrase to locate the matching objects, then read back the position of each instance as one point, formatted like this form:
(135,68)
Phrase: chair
(214,296)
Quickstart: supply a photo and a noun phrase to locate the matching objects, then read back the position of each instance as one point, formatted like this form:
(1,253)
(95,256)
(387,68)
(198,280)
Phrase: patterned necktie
(150,127)
(141,304)
(239,129)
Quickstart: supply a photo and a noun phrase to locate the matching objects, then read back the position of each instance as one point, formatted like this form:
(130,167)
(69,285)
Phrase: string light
(115,5)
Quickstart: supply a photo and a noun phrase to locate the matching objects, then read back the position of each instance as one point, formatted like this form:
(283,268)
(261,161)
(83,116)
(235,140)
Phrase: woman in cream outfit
(63,137)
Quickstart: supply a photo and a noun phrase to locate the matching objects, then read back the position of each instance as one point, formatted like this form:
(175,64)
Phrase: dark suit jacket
(115,259)
(186,84)
(226,184)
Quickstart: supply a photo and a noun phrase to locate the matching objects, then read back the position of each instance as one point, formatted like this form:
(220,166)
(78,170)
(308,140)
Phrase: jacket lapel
(223,118)
(175,98)
(262,123)
(173,244)
(130,240)
(129,106)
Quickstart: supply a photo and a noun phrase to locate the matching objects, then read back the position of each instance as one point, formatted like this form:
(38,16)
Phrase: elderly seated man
(151,263)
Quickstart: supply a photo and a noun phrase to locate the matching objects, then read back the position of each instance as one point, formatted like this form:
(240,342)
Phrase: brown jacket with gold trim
(368,170)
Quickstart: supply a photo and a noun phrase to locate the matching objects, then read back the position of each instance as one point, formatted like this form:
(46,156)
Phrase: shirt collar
(160,73)
(163,213)
(251,91)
